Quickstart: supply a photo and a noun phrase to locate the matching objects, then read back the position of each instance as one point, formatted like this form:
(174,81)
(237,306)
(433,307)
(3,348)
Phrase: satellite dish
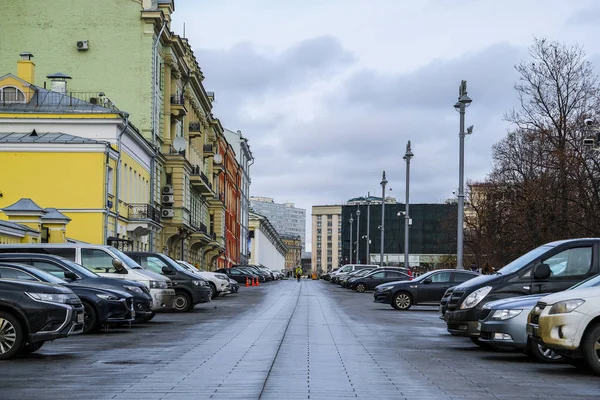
(180,144)
(218,158)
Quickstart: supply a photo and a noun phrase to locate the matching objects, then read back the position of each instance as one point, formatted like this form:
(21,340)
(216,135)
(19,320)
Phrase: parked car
(569,323)
(102,306)
(343,281)
(550,268)
(72,272)
(346,269)
(239,275)
(32,313)
(377,277)
(235,287)
(266,276)
(106,261)
(219,283)
(426,289)
(190,289)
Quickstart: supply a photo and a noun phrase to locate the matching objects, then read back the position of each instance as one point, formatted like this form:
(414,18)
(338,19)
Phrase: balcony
(143,219)
(201,182)
(200,234)
(178,105)
(208,149)
(194,129)
(217,201)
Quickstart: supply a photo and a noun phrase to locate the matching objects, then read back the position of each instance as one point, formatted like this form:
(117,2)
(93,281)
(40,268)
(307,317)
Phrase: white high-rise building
(285,217)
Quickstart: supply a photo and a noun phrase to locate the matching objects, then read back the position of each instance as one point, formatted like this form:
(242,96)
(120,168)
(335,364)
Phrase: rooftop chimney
(58,82)
(26,68)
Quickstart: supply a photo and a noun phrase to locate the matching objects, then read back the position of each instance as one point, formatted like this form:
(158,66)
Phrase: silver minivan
(106,261)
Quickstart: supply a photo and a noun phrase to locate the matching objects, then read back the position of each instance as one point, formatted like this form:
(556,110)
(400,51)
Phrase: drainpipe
(118,172)
(154,128)
(106,207)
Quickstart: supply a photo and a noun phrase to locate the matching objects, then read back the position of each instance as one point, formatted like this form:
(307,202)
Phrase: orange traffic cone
(247,282)
(257,282)
(253,284)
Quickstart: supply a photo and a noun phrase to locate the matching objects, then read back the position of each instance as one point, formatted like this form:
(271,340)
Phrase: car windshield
(125,259)
(363,272)
(168,260)
(47,277)
(525,259)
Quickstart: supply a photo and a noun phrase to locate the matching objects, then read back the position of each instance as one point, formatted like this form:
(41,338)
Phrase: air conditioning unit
(82,45)
(167,213)
(168,190)
(168,199)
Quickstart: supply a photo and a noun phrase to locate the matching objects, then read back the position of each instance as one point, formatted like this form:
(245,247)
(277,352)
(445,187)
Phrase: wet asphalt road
(286,340)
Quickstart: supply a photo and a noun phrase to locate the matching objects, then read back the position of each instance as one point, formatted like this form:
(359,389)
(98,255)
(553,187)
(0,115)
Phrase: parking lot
(288,340)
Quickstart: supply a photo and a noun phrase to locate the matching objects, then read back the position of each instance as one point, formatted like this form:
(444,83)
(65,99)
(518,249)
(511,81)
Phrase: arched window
(10,94)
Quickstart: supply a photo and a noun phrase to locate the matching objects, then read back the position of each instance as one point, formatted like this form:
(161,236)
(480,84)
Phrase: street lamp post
(368,227)
(383,183)
(358,236)
(351,221)
(407,156)
(463,102)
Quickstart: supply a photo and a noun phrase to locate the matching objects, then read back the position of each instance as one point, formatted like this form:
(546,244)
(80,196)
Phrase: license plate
(479,327)
(80,318)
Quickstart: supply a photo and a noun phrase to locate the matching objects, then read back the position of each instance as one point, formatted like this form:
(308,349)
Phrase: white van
(106,261)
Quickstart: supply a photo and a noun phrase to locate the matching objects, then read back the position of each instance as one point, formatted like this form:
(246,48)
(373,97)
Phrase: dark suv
(66,269)
(550,268)
(190,289)
(32,313)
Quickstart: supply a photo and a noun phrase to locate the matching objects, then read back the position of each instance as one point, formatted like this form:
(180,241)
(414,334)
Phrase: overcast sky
(328,92)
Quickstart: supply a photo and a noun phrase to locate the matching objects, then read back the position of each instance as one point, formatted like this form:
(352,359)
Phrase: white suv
(218,282)
(569,323)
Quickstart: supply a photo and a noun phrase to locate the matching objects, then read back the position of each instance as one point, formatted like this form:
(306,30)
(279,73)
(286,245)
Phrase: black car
(190,289)
(376,277)
(32,313)
(550,268)
(262,274)
(343,281)
(235,287)
(426,289)
(240,275)
(102,306)
(71,272)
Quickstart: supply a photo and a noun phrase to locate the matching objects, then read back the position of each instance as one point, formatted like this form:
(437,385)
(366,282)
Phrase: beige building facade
(326,223)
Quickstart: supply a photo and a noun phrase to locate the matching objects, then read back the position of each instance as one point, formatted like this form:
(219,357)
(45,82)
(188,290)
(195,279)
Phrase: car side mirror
(118,264)
(542,271)
(167,270)
(427,281)
(71,275)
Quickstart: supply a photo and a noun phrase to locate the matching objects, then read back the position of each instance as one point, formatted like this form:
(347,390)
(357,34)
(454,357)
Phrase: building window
(329,238)
(329,223)
(110,180)
(10,94)
(329,231)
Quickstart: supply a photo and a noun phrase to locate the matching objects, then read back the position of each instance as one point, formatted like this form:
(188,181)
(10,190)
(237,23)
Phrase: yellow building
(293,255)
(30,223)
(79,153)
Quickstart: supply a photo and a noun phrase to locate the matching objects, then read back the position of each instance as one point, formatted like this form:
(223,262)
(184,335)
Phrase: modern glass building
(285,217)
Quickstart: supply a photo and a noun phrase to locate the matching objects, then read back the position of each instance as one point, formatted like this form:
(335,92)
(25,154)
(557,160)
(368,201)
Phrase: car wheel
(11,335)
(544,354)
(361,287)
(32,347)
(183,302)
(90,318)
(402,301)
(591,349)
(214,293)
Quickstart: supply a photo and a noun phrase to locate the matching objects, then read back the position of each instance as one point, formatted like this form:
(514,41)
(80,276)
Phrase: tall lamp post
(407,156)
(463,102)
(351,221)
(368,227)
(383,183)
(358,236)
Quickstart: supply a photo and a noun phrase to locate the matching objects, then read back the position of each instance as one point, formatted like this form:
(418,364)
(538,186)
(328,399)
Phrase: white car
(218,282)
(569,323)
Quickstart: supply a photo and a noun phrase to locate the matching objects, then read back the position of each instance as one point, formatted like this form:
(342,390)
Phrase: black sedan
(102,306)
(72,272)
(376,277)
(427,289)
(32,313)
(239,274)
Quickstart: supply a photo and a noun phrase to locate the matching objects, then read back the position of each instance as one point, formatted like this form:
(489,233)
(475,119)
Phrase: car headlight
(565,307)
(222,276)
(158,284)
(502,315)
(199,283)
(49,297)
(107,296)
(385,289)
(134,289)
(474,298)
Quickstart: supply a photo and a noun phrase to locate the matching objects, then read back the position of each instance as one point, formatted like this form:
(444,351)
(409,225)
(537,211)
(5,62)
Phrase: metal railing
(138,212)
(46,100)
(177,99)
(205,179)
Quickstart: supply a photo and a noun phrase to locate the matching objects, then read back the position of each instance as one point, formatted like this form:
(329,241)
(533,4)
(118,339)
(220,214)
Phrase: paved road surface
(286,340)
